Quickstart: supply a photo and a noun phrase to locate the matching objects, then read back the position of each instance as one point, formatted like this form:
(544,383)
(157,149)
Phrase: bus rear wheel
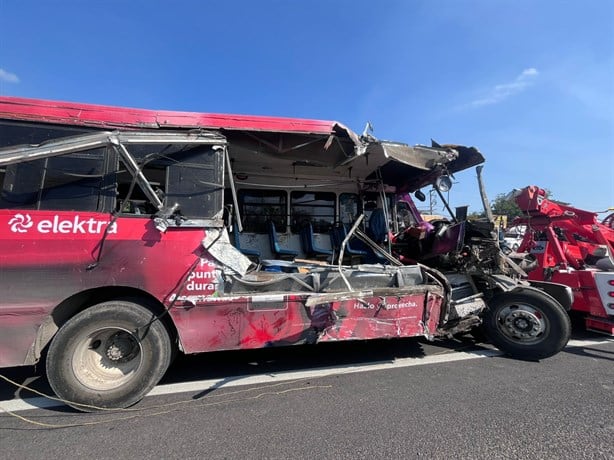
(108,356)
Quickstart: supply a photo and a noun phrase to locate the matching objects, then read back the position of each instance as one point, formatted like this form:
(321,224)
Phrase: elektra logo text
(21,223)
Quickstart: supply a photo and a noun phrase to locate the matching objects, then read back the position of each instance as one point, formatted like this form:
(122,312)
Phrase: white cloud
(501,92)
(8,77)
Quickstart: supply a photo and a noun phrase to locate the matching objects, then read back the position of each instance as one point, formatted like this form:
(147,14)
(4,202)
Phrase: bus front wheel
(527,324)
(108,356)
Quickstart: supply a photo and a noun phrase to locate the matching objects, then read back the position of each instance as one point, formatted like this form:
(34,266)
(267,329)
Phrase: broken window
(187,176)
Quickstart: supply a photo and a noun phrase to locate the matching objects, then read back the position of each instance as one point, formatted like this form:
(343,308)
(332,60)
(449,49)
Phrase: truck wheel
(527,324)
(100,359)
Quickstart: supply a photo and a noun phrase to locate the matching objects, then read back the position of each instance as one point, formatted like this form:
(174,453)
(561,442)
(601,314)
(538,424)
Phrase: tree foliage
(476,215)
(504,205)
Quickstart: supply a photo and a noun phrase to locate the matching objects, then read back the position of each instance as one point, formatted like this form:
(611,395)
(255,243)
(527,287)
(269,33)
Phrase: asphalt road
(343,401)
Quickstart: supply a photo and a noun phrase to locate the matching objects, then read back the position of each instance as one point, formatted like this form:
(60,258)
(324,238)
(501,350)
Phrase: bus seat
(248,252)
(337,235)
(309,245)
(280,252)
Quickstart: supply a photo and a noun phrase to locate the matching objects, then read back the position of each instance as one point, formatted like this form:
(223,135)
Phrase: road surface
(381,399)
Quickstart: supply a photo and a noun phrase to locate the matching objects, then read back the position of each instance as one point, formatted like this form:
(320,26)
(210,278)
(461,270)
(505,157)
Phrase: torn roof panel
(411,168)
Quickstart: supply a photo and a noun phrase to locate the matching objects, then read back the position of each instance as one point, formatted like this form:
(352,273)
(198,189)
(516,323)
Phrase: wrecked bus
(127,236)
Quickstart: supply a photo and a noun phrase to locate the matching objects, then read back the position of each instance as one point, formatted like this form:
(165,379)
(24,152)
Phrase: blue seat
(280,252)
(237,238)
(378,230)
(337,235)
(376,258)
(309,244)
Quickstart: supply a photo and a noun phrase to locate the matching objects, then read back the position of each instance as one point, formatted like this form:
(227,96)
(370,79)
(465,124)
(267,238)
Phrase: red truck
(570,246)
(128,235)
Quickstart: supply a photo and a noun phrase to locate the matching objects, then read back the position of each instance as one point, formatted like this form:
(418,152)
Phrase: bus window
(348,207)
(258,207)
(197,184)
(130,197)
(188,177)
(71,182)
(405,216)
(21,185)
(318,208)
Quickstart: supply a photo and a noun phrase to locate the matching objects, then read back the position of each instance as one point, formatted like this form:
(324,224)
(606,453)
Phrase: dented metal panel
(411,168)
(271,309)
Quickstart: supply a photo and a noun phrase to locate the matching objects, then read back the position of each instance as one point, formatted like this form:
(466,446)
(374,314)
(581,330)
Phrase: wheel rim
(107,358)
(522,323)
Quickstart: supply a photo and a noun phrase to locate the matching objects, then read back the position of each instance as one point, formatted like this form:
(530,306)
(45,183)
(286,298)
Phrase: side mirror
(420,195)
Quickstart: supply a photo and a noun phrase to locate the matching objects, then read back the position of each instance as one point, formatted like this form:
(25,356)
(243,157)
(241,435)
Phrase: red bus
(127,236)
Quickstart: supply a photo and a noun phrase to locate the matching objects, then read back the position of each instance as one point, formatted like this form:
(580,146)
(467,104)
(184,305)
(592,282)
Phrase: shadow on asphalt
(596,353)
(229,365)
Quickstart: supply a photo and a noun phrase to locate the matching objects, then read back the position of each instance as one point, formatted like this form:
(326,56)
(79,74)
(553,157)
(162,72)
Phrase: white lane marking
(17,405)
(272,377)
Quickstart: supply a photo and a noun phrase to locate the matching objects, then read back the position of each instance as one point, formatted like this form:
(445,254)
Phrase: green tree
(505,206)
(476,215)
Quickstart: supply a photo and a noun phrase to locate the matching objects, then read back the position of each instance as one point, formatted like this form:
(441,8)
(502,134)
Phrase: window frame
(254,222)
(319,225)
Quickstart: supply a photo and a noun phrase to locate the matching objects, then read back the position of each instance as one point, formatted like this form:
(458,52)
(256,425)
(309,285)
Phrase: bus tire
(527,324)
(108,356)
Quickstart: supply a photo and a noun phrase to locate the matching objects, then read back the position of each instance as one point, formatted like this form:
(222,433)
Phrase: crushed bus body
(127,235)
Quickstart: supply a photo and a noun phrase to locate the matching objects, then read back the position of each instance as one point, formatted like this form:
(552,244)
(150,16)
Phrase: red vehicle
(570,246)
(115,247)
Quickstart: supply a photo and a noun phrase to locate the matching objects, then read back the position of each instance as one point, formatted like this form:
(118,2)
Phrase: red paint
(566,243)
(15,108)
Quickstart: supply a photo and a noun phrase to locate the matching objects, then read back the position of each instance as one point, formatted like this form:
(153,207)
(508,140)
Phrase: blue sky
(530,83)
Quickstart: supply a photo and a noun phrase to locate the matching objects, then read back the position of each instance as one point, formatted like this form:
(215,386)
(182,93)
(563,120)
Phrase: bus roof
(104,116)
(293,145)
